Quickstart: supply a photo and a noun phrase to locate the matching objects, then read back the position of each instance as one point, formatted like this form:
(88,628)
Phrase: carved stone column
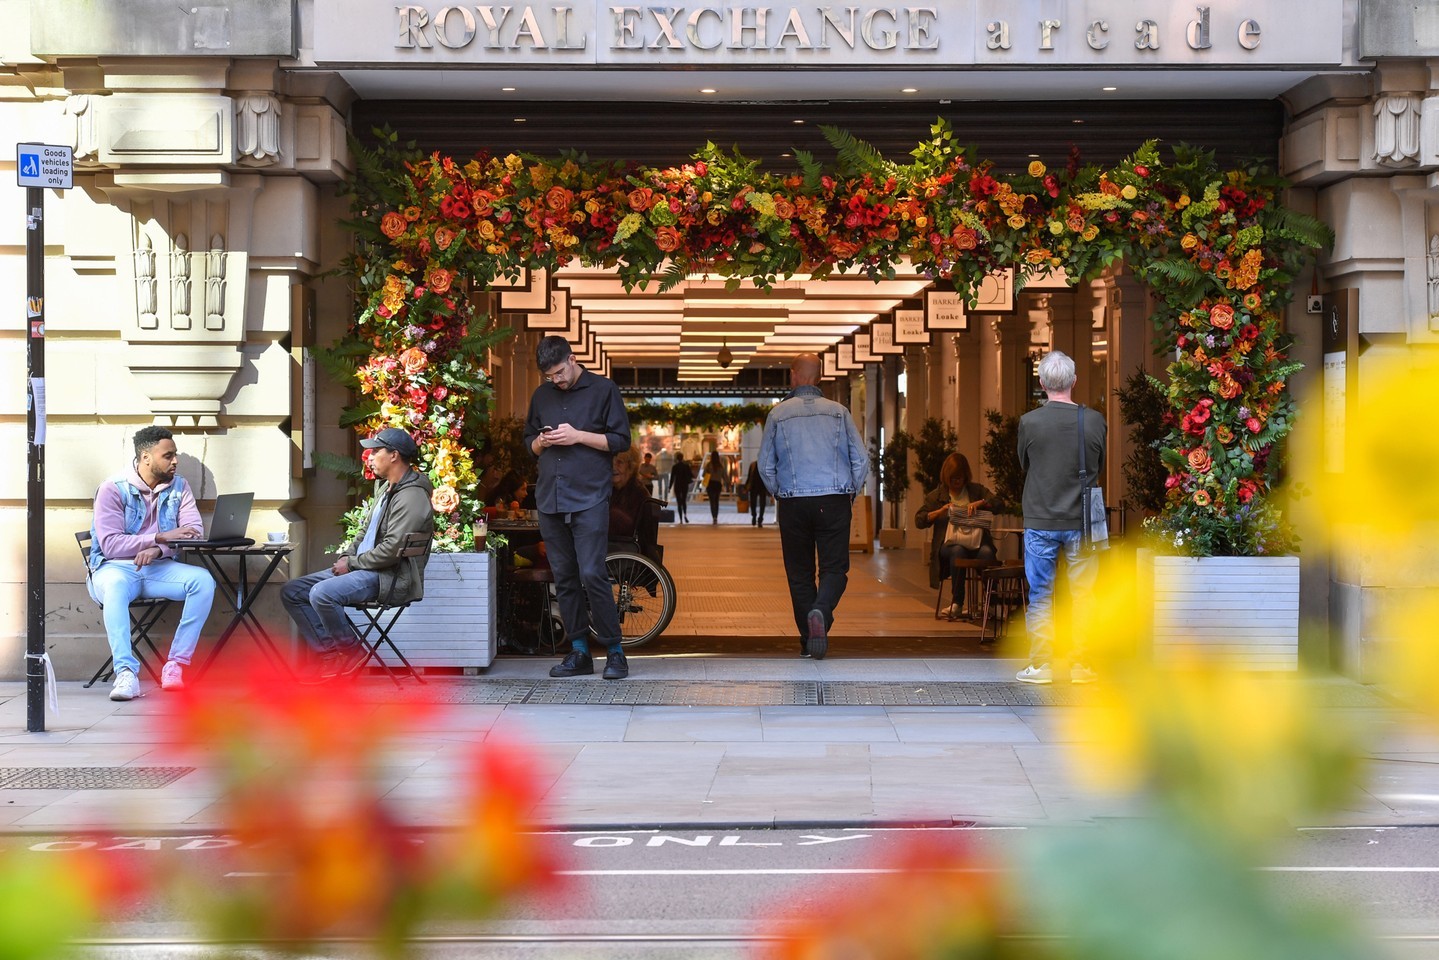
(968,400)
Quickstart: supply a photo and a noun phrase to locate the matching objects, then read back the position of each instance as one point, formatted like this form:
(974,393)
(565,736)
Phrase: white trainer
(172,677)
(1033,673)
(127,686)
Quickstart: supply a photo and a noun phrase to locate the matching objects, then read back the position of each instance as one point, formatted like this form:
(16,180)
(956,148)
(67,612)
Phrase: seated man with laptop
(139,516)
(371,569)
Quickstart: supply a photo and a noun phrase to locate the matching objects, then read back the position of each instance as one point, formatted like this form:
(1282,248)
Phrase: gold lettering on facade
(1148,32)
(998,31)
(1094,36)
(1046,33)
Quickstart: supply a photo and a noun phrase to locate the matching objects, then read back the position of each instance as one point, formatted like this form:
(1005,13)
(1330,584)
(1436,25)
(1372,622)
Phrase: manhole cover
(89,778)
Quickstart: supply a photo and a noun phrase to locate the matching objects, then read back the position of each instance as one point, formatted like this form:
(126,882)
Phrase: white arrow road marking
(810,840)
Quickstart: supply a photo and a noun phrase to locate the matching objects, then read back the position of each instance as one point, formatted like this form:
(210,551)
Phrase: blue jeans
(813,528)
(115,584)
(576,544)
(1041,565)
(317,601)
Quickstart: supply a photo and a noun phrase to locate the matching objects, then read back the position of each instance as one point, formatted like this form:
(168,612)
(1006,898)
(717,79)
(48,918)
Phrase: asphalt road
(653,894)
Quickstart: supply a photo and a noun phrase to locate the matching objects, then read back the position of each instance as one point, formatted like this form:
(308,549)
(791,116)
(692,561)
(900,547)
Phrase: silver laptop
(228,525)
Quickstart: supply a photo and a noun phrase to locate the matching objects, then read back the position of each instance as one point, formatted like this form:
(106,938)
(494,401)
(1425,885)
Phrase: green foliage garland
(701,417)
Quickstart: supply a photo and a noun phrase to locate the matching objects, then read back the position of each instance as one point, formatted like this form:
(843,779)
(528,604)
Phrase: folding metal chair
(144,614)
(381,619)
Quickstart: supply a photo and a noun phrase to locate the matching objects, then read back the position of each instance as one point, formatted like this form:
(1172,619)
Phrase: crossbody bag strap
(1086,531)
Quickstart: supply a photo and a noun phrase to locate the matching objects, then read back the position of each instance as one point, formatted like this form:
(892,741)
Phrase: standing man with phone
(575,425)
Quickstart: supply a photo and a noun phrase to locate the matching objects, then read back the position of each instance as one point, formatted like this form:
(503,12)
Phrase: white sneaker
(952,611)
(172,677)
(1079,673)
(1035,674)
(127,686)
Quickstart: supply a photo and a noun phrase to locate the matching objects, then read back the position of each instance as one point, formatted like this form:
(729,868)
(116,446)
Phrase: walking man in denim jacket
(813,460)
(139,515)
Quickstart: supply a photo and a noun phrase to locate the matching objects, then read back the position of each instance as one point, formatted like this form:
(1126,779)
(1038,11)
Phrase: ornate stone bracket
(1432,277)
(85,134)
(1396,129)
(257,129)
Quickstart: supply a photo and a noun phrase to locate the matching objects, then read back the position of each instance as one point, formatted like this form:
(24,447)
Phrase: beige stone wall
(203,200)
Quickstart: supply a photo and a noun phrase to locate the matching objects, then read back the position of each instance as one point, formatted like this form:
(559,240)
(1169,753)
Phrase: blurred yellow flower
(1036,168)
(1409,657)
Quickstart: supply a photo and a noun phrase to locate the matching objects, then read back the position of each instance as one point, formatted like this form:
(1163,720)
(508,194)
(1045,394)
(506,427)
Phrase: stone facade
(185,273)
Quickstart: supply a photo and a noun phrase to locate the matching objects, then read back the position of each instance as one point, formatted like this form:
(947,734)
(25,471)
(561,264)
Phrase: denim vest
(168,509)
(812,448)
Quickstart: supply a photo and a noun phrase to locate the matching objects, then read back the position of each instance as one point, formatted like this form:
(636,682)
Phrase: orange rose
(667,239)
(558,198)
(445,499)
(392,224)
(1199,460)
(440,280)
(965,239)
(1221,316)
(444,236)
(783,208)
(414,360)
(641,198)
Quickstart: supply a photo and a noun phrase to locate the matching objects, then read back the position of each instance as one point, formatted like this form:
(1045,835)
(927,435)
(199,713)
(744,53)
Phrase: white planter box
(1241,610)
(454,626)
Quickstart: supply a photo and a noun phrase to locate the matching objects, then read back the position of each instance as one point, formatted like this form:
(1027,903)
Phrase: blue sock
(580,645)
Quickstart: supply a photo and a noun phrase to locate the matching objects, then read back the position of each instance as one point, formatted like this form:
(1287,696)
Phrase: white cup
(278,536)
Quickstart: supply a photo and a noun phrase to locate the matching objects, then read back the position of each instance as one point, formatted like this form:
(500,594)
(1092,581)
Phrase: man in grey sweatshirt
(1049,443)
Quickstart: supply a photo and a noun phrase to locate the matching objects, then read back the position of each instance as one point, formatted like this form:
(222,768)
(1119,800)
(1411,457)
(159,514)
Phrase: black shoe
(321,669)
(575,664)
(351,659)
(616,666)
(803,649)
(818,643)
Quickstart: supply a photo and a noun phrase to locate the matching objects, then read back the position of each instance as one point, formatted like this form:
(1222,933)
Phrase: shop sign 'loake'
(1000,34)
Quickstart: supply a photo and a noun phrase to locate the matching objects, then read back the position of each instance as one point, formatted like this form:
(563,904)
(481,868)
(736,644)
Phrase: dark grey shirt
(577,477)
(1049,455)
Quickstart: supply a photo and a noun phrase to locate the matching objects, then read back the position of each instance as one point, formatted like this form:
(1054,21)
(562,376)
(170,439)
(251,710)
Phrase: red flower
(1253,425)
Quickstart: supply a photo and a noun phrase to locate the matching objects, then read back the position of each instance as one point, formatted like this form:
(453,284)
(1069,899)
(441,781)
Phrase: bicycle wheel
(644,596)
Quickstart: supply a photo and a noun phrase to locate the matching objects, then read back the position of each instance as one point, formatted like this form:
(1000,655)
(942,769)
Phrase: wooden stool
(972,569)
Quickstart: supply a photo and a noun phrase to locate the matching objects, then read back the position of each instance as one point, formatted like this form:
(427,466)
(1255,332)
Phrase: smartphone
(546,429)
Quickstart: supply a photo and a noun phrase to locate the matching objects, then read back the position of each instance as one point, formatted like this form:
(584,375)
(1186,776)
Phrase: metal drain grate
(89,778)
(946,694)
(675,692)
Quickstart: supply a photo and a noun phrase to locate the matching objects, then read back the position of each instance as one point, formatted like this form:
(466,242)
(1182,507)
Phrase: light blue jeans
(1041,565)
(317,602)
(115,584)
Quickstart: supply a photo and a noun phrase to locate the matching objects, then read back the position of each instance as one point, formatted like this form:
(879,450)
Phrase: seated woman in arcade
(632,512)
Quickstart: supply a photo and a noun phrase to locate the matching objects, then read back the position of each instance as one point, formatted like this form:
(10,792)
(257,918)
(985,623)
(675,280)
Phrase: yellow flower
(1090,232)
(1056,227)
(921,222)
(1036,169)
(1129,192)
(1016,220)
(1182,202)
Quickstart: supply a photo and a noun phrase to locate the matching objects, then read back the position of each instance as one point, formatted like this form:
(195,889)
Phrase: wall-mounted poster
(862,352)
(996,292)
(909,328)
(881,339)
(944,310)
(557,317)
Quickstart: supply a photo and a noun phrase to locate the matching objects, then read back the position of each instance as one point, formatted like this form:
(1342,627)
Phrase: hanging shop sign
(944,310)
(998,34)
(557,317)
(909,328)
(862,351)
(881,339)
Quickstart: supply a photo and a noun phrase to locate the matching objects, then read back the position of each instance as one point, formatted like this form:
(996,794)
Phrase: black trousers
(682,496)
(757,503)
(714,494)
(576,544)
(814,529)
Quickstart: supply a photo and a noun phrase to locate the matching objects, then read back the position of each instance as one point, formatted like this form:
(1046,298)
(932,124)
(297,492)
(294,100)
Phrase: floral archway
(1216,246)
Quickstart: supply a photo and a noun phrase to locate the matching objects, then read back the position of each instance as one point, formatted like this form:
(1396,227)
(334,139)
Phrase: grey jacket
(406,510)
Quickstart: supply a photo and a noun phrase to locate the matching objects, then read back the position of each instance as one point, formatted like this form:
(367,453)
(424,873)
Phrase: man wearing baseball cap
(371,569)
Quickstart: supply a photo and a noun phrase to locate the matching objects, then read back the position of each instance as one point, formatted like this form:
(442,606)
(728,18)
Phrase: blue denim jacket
(811,448)
(168,510)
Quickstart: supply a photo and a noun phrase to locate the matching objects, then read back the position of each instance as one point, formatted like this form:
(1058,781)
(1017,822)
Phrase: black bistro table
(240,592)
(517,533)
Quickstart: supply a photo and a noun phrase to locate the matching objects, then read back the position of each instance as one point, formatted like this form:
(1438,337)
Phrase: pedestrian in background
(647,474)
(1049,443)
(682,476)
(814,461)
(714,475)
(758,495)
(575,425)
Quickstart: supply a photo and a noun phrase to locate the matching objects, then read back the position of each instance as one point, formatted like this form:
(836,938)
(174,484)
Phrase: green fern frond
(360,412)
(811,168)
(340,361)
(674,275)
(1310,231)
(339,465)
(854,154)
